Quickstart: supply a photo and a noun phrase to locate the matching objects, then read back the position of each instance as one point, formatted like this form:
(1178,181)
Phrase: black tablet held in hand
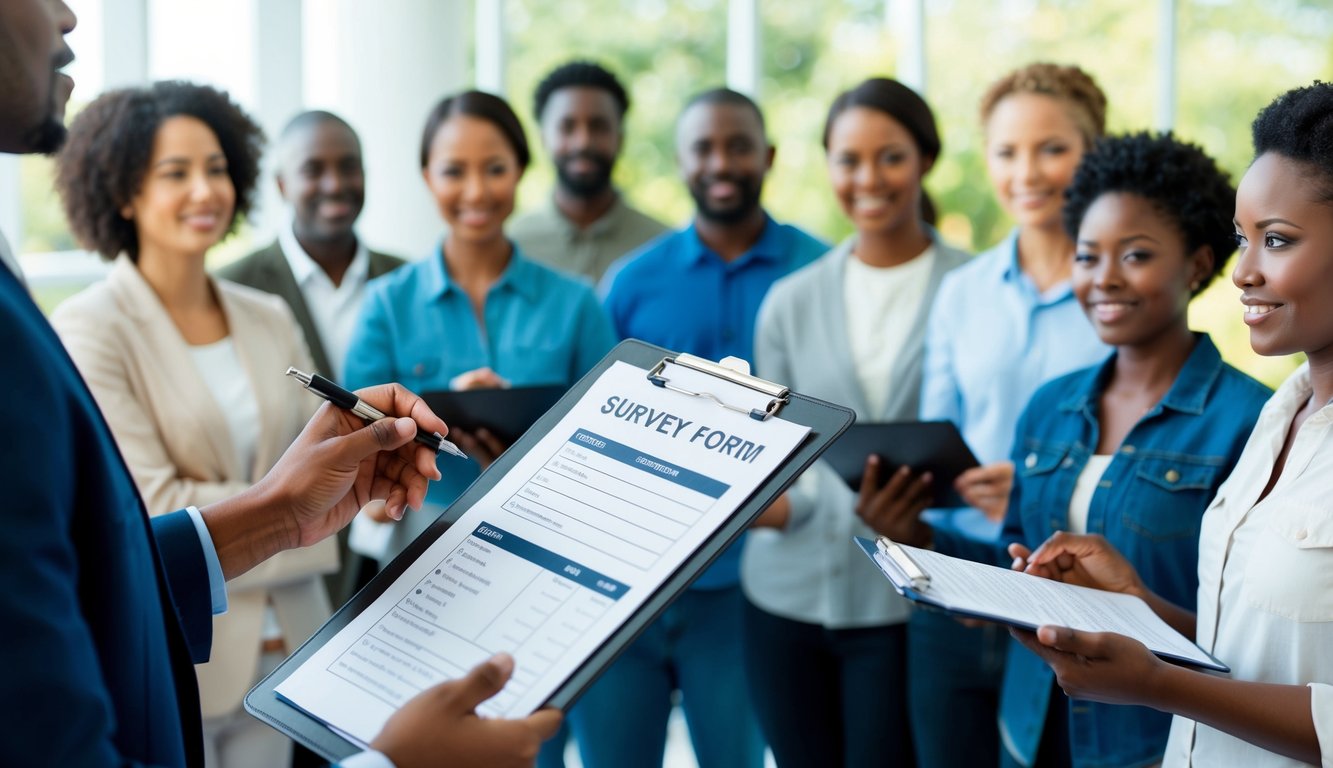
(925,446)
(505,413)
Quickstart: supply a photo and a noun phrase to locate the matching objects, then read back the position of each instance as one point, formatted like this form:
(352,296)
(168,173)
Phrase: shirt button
(1301,534)
(418,369)
(1067,463)
(1030,461)
(1172,476)
(1128,450)
(1104,484)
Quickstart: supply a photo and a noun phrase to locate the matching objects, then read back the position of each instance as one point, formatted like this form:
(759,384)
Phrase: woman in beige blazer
(189,370)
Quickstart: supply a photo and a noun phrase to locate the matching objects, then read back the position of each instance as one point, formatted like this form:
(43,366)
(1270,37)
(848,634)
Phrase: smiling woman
(475,313)
(1003,325)
(849,328)
(1135,448)
(153,178)
(1265,597)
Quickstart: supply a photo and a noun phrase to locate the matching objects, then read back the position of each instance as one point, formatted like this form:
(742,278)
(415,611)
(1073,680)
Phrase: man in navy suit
(103,611)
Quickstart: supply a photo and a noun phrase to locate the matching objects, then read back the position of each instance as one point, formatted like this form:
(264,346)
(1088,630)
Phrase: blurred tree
(1233,56)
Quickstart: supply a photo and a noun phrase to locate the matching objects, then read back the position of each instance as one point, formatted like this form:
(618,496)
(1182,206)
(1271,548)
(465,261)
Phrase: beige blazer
(175,439)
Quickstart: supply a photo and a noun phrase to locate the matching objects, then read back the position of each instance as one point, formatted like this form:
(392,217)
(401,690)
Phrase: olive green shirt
(545,235)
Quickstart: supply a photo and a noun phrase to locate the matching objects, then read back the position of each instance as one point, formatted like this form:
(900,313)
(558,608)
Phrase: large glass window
(662,51)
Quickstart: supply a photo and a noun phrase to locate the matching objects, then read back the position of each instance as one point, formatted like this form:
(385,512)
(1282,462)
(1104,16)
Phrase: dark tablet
(505,413)
(925,446)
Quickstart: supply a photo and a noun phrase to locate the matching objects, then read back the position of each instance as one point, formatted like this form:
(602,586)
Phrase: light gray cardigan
(810,571)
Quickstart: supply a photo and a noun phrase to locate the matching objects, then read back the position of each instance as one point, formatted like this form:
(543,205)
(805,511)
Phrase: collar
(1295,390)
(1188,393)
(1013,271)
(520,276)
(771,245)
(605,223)
(304,268)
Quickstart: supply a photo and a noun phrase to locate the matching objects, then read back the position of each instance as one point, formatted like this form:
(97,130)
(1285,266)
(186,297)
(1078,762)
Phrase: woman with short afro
(1133,449)
(1265,597)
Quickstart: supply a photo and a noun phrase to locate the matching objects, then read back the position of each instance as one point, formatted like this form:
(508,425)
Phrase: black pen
(348,401)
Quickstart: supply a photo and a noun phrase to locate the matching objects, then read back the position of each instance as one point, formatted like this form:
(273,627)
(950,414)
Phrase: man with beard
(587,224)
(697,290)
(318,265)
(103,609)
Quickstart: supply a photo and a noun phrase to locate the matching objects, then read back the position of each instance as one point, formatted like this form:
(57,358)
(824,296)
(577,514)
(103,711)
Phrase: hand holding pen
(348,401)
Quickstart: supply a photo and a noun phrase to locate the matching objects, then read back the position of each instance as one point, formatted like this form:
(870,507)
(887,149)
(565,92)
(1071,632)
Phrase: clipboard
(930,446)
(913,581)
(506,413)
(826,422)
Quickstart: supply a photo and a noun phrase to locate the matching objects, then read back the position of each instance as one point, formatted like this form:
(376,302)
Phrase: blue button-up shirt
(992,340)
(1148,504)
(418,328)
(677,293)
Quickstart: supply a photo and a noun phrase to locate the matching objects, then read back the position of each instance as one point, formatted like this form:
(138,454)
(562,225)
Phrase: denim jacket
(1148,505)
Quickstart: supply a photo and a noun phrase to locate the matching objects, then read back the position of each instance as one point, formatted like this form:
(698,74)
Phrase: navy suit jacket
(102,613)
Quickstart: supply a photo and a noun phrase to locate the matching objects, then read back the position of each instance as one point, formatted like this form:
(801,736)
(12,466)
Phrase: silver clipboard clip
(915,574)
(778,394)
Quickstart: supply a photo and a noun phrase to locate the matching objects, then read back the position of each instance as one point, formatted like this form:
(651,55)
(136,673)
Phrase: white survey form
(559,552)
(1021,599)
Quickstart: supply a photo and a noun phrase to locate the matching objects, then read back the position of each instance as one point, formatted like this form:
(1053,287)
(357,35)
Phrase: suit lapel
(172,361)
(279,277)
(381,263)
(244,327)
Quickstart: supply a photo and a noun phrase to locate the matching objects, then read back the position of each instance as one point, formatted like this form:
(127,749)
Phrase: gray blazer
(267,270)
(808,571)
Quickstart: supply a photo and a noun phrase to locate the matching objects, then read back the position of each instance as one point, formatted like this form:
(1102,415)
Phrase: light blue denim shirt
(417,328)
(1148,504)
(992,340)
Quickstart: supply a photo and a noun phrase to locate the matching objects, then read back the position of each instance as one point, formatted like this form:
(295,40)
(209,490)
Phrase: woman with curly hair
(1265,551)
(187,369)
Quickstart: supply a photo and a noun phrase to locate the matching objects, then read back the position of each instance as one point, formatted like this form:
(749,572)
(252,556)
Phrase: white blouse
(1085,487)
(1266,578)
(220,366)
(881,305)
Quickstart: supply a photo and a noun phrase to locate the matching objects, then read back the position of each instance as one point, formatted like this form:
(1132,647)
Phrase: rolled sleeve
(1321,709)
(217,585)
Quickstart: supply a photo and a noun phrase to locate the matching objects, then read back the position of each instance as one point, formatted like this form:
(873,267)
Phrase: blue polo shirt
(679,294)
(417,327)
